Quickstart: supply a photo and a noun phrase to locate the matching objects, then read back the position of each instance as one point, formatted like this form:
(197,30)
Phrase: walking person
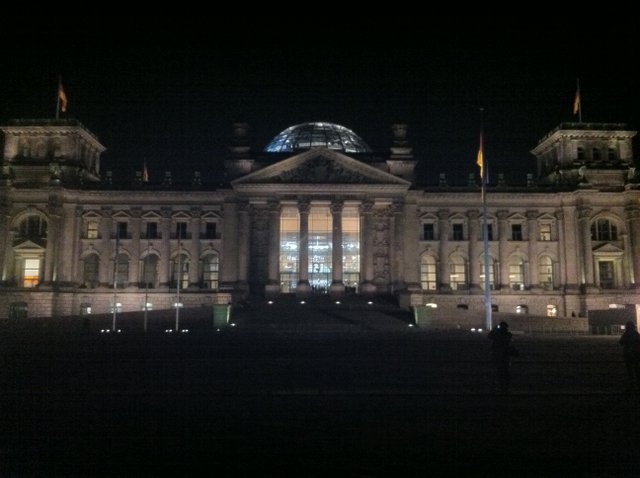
(501,353)
(630,342)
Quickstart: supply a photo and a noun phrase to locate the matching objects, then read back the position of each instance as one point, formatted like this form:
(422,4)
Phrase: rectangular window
(490,232)
(351,248)
(152,230)
(210,230)
(605,270)
(458,232)
(31,273)
(516,232)
(428,233)
(121,230)
(545,232)
(92,230)
(181,230)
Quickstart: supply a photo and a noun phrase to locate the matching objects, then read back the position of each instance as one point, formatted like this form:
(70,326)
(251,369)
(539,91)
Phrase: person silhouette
(501,353)
(630,341)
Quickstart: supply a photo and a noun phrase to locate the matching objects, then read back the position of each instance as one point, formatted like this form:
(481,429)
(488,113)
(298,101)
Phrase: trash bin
(18,310)
(221,315)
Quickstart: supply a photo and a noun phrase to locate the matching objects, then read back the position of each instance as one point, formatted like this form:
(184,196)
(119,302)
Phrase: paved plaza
(316,393)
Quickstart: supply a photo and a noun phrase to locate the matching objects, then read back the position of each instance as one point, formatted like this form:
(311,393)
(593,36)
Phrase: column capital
(397,206)
(532,214)
(243,206)
(165,212)
(136,212)
(502,214)
(304,205)
(559,215)
(473,214)
(366,207)
(632,211)
(584,212)
(337,205)
(274,207)
(196,212)
(443,214)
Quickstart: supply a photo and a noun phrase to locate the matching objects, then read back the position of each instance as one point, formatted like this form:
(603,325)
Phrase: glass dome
(311,135)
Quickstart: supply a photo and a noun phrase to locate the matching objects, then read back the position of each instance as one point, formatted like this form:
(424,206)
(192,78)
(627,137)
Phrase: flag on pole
(145,173)
(576,101)
(480,160)
(62,97)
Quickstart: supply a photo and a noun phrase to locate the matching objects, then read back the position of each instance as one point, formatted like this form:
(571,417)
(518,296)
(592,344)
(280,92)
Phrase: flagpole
(179,277)
(115,282)
(579,101)
(58,97)
(485,232)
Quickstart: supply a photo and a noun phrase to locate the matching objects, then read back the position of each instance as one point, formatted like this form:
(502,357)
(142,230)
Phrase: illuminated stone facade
(315,219)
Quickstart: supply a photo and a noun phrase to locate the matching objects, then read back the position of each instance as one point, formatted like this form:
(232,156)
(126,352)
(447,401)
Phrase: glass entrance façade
(320,248)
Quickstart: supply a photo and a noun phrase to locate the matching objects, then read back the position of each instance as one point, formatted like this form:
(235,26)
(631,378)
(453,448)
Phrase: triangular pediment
(28,246)
(320,166)
(608,248)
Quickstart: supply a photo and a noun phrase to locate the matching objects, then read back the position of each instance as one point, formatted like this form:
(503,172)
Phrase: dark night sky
(170,97)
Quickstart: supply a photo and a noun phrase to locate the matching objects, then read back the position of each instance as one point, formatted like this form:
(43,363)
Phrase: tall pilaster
(396,251)
(244,236)
(632,213)
(532,233)
(273,279)
(194,248)
(584,226)
(366,233)
(503,241)
(444,277)
(303,288)
(230,246)
(165,247)
(106,250)
(562,263)
(136,229)
(474,250)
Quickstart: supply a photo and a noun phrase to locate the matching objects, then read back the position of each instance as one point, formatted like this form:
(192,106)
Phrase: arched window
(33,227)
(457,273)
(90,274)
(210,270)
(545,273)
(604,230)
(428,278)
(180,263)
(150,271)
(516,273)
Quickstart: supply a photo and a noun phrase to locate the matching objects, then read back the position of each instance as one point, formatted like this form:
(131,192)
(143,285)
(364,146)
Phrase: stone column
(67,255)
(165,248)
(337,287)
(366,234)
(474,250)
(633,221)
(626,272)
(584,239)
(303,288)
(532,236)
(194,248)
(273,279)
(444,278)
(503,254)
(244,237)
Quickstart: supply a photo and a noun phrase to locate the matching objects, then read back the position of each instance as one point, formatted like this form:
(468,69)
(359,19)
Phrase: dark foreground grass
(335,399)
